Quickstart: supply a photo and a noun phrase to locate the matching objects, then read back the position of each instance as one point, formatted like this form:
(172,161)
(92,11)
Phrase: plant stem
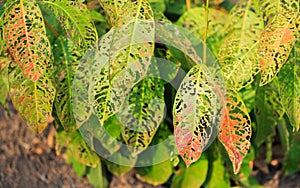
(188,4)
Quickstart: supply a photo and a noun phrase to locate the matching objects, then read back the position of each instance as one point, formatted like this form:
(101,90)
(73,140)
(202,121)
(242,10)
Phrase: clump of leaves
(256,71)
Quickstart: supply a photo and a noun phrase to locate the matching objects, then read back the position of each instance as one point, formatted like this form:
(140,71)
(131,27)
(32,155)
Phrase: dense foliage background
(256,45)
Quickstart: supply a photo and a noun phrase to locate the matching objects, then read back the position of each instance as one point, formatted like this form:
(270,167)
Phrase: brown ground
(28,160)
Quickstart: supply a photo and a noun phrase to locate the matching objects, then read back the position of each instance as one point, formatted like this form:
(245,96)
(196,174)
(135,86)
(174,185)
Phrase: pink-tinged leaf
(25,37)
(194,113)
(235,129)
(277,41)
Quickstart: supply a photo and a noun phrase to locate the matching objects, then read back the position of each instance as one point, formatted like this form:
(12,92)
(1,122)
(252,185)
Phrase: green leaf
(219,176)
(267,111)
(98,138)
(157,173)
(235,129)
(77,149)
(97,178)
(4,86)
(75,18)
(191,177)
(33,100)
(66,61)
(142,113)
(292,161)
(194,113)
(25,37)
(289,87)
(238,54)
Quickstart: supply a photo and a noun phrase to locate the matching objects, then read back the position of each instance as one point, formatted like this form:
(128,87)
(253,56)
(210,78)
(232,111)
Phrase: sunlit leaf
(112,9)
(75,18)
(25,37)
(195,113)
(235,129)
(194,20)
(238,54)
(33,100)
(277,41)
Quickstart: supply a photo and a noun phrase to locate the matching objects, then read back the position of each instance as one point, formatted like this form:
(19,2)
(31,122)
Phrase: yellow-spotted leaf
(66,61)
(235,129)
(277,41)
(195,113)
(33,100)
(142,114)
(25,37)
(194,20)
(112,9)
(76,20)
(238,54)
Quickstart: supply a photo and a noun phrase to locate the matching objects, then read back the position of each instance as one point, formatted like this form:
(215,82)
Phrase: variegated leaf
(277,41)
(25,37)
(238,54)
(235,129)
(75,18)
(112,9)
(142,114)
(289,87)
(195,113)
(66,57)
(33,100)
(194,20)
(126,51)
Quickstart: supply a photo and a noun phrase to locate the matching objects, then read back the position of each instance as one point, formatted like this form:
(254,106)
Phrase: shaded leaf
(289,87)
(33,100)
(97,178)
(194,113)
(191,177)
(235,129)
(238,54)
(267,111)
(66,61)
(157,173)
(25,37)
(4,86)
(219,175)
(77,149)
(292,162)
(142,113)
